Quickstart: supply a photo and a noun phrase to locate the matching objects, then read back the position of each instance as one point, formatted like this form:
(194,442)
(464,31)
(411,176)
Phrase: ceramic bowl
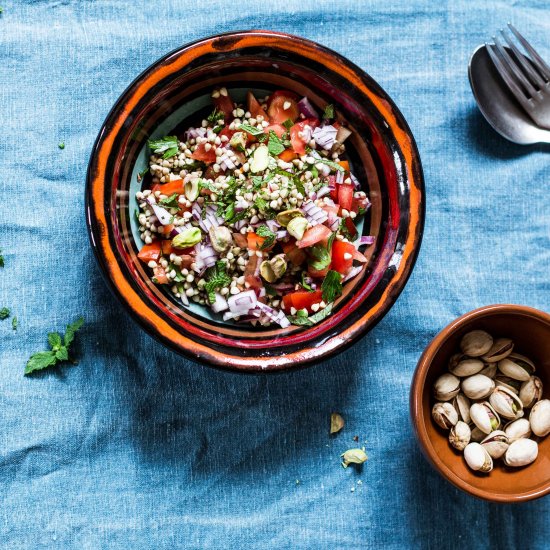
(530,330)
(175,92)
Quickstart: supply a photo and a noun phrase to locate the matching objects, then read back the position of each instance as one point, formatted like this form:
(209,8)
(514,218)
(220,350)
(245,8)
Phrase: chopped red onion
(282,234)
(353,272)
(275,315)
(179,229)
(243,302)
(335,224)
(325,190)
(226,163)
(305,107)
(205,257)
(283,288)
(164,217)
(314,214)
(325,136)
(194,133)
(240,204)
(184,299)
(355,181)
(240,224)
(273,225)
(220,304)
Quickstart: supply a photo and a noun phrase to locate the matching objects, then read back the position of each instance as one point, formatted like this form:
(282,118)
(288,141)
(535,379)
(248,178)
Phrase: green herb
(320,257)
(203,184)
(261,204)
(315,174)
(301,320)
(61,145)
(167,145)
(59,349)
(268,235)
(1,259)
(275,145)
(141,174)
(217,129)
(332,164)
(14,323)
(330,241)
(4,313)
(229,212)
(269,290)
(214,116)
(343,229)
(216,278)
(288,124)
(262,138)
(329,112)
(257,182)
(252,130)
(170,202)
(180,277)
(305,284)
(331,286)
(295,179)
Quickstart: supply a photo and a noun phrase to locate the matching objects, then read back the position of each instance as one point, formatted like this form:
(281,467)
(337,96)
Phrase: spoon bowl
(498,106)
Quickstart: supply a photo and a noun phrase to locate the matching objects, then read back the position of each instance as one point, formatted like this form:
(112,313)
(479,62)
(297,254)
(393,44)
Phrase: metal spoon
(497,104)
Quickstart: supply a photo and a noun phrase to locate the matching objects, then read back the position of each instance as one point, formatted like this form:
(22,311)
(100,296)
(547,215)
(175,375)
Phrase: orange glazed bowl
(530,330)
(175,92)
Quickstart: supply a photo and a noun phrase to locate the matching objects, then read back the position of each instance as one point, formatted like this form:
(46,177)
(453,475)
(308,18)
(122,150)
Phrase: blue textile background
(138,448)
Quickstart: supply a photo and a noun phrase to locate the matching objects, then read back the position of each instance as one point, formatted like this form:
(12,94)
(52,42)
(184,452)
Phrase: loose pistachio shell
(220,238)
(521,453)
(496,443)
(476,343)
(466,366)
(353,456)
(191,190)
(501,348)
(273,269)
(238,140)
(260,159)
(444,415)
(460,435)
(477,386)
(485,417)
(188,237)
(530,391)
(336,423)
(517,429)
(540,418)
(477,458)
(446,387)
(517,366)
(506,403)
(286,216)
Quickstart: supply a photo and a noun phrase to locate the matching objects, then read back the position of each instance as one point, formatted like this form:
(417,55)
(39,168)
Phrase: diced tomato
(254,242)
(330,209)
(227,132)
(340,262)
(351,228)
(170,188)
(254,107)
(186,259)
(275,107)
(279,129)
(200,153)
(251,265)
(165,229)
(344,164)
(333,187)
(301,300)
(150,252)
(314,235)
(357,256)
(160,275)
(345,195)
(167,248)
(296,255)
(296,134)
(318,273)
(337,124)
(288,155)
(209,174)
(225,104)
(359,204)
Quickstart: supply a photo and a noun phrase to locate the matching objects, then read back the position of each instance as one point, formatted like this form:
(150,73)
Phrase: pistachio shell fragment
(501,348)
(484,417)
(517,429)
(506,403)
(336,423)
(273,269)
(477,458)
(476,343)
(460,435)
(531,391)
(496,443)
(477,386)
(540,418)
(297,227)
(517,366)
(286,216)
(353,456)
(446,387)
(521,453)
(445,415)
(191,190)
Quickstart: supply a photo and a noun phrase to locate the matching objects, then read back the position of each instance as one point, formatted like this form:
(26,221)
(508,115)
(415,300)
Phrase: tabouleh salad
(254,213)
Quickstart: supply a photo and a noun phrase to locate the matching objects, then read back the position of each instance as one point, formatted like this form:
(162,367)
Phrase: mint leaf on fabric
(71,329)
(54,339)
(40,360)
(4,313)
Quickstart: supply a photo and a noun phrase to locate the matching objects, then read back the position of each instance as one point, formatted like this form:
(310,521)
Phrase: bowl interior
(531,335)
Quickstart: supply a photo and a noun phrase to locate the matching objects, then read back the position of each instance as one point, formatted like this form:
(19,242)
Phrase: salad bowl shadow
(176,89)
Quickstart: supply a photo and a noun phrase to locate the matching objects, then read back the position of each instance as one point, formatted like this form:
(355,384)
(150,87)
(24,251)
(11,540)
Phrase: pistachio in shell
(477,386)
(465,366)
(476,343)
(477,434)
(517,429)
(501,348)
(489,370)
(485,417)
(521,453)
(477,458)
(504,381)
(531,391)
(460,435)
(446,387)
(517,366)
(444,415)
(506,403)
(539,418)
(496,443)
(462,405)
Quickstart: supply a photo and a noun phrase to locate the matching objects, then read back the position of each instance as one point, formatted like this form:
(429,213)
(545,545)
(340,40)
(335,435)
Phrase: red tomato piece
(159,274)
(351,228)
(170,188)
(296,255)
(200,153)
(288,155)
(359,204)
(150,252)
(254,107)
(227,132)
(314,235)
(276,107)
(342,256)
(302,300)
(358,256)
(318,273)
(225,104)
(344,164)
(297,134)
(345,195)
(333,187)
(254,242)
(167,248)
(279,129)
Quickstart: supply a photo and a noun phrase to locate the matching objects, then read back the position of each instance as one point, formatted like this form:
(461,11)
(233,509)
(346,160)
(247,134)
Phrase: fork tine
(515,70)
(537,59)
(528,68)
(505,75)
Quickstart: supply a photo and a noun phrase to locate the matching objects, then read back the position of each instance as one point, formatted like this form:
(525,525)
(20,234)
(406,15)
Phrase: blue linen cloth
(138,448)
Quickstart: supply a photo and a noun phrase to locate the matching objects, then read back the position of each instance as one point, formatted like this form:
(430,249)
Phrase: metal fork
(528,78)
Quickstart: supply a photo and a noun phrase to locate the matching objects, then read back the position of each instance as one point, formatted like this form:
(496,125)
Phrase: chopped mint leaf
(214,116)
(275,145)
(331,286)
(268,235)
(14,323)
(320,257)
(329,112)
(252,130)
(4,313)
(61,145)
(305,284)
(168,145)
(331,163)
(170,202)
(288,124)
(216,278)
(301,320)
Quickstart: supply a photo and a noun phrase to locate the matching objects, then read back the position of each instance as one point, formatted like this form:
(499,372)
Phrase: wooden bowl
(530,330)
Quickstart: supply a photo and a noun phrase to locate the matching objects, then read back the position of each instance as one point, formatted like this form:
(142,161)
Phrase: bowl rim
(336,343)
(417,391)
